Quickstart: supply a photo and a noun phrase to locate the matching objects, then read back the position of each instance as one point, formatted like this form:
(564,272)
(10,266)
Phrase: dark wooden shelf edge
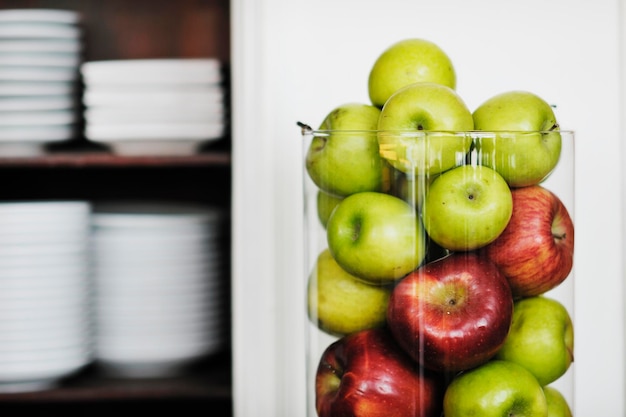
(210,380)
(105,159)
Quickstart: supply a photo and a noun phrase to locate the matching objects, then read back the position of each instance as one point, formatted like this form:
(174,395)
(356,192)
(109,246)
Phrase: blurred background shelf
(114,30)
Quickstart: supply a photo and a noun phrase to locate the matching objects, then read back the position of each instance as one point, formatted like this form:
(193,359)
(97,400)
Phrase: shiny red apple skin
(366,374)
(452,314)
(536,250)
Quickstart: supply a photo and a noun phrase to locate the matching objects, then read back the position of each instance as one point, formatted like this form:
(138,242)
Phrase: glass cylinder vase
(439,272)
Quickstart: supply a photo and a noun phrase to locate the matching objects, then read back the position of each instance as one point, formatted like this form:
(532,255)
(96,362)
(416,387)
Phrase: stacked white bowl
(154,106)
(45,314)
(159,290)
(40,55)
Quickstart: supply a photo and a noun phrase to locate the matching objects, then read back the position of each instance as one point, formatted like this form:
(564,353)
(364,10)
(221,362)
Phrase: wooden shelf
(207,380)
(106,159)
(122,29)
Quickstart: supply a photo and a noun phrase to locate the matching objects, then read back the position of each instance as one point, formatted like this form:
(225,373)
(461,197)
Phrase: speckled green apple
(557,404)
(495,389)
(376,237)
(528,147)
(340,303)
(467,207)
(406,62)
(325,204)
(541,338)
(343,158)
(418,125)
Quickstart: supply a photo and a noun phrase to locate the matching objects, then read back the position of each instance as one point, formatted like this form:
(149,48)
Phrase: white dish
(51,236)
(152,215)
(36,325)
(33,135)
(165,307)
(155,348)
(39,60)
(144,370)
(207,98)
(45,208)
(68,17)
(70,248)
(153,139)
(38,30)
(63,46)
(38,118)
(184,114)
(28,89)
(36,103)
(71,343)
(37,74)
(152,71)
(45,260)
(33,376)
(157,345)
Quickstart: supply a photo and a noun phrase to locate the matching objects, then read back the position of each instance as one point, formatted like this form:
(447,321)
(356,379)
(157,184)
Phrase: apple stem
(305,127)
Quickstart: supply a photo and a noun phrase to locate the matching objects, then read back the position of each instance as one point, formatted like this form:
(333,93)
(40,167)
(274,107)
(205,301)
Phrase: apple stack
(439,249)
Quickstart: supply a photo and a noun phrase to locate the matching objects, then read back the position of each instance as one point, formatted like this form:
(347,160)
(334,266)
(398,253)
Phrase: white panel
(297,59)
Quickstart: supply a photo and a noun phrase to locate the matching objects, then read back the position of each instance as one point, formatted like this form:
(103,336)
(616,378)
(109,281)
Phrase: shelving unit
(120,29)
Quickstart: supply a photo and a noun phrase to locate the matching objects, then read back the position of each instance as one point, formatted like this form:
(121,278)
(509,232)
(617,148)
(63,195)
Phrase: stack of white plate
(40,54)
(45,320)
(159,293)
(154,106)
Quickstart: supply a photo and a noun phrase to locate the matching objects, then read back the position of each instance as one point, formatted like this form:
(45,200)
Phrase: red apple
(536,250)
(452,314)
(366,374)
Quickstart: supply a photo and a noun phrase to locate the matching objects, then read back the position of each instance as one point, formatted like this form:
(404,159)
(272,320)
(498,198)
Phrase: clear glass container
(439,271)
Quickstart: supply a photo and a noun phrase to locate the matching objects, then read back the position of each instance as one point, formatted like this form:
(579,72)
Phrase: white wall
(297,59)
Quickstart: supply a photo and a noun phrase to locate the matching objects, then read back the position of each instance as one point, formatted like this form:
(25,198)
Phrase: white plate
(155,139)
(40,15)
(47,209)
(38,118)
(30,376)
(29,89)
(35,134)
(36,103)
(153,215)
(152,71)
(39,60)
(38,74)
(68,46)
(183,114)
(201,97)
(24,325)
(35,30)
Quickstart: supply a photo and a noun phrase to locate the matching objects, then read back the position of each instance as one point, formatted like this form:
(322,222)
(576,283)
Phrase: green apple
(340,303)
(467,207)
(528,146)
(343,157)
(326,203)
(376,237)
(423,129)
(495,389)
(406,62)
(541,338)
(557,404)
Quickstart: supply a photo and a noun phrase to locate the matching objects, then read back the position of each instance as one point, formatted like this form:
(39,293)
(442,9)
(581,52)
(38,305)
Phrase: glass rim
(421,133)
(308,130)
